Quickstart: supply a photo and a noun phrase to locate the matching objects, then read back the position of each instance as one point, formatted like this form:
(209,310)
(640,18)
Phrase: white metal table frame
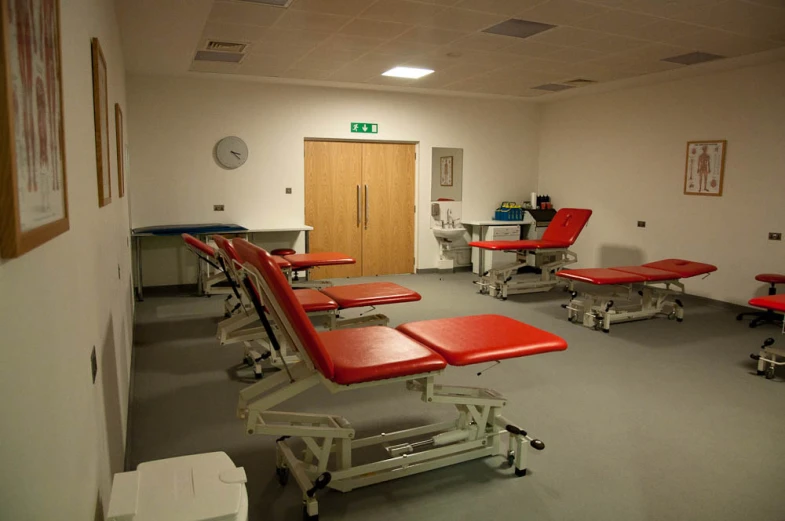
(137,243)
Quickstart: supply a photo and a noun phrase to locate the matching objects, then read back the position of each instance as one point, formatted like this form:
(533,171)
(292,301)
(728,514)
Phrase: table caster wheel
(770,372)
(606,330)
(520,472)
(511,458)
(282,474)
(679,320)
(257,376)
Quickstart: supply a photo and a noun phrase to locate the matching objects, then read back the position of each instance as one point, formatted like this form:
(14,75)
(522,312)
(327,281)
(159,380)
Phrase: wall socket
(94,364)
(218,208)
(775,236)
(641,224)
(288,190)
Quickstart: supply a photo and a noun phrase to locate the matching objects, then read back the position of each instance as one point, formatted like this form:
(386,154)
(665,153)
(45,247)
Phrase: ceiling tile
(666,31)
(461,20)
(457,73)
(265,64)
(402,11)
(308,21)
(567,37)
(218,67)
(614,43)
(284,51)
(388,80)
(769,3)
(375,29)
(431,35)
(354,74)
(244,13)
(232,32)
(771,26)
(327,59)
(405,48)
(533,49)
(573,55)
(306,74)
(623,23)
(722,13)
(502,7)
(346,42)
(445,3)
(484,42)
(282,38)
(724,43)
(561,12)
(666,8)
(339,7)
(434,62)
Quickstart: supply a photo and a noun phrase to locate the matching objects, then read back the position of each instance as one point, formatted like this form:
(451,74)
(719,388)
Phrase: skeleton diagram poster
(705,167)
(34,208)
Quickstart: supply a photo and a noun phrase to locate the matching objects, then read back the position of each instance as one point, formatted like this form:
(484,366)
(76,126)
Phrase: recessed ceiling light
(407,72)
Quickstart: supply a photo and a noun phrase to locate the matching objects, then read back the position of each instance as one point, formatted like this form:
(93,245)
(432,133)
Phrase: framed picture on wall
(101,115)
(119,149)
(33,195)
(705,167)
(445,164)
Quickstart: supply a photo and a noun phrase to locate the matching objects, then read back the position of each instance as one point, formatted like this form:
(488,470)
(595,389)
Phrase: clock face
(231,152)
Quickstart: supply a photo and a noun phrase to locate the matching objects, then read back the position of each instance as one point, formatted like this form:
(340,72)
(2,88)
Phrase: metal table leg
(481,255)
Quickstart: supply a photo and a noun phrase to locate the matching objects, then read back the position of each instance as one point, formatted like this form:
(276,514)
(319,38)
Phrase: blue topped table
(200,231)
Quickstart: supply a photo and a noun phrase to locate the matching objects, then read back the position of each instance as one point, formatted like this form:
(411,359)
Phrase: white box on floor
(200,487)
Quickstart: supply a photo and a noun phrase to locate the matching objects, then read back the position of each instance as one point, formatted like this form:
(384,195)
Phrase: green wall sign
(365,128)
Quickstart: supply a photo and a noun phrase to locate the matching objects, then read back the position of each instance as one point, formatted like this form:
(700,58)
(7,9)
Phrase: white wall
(61,436)
(623,153)
(177,121)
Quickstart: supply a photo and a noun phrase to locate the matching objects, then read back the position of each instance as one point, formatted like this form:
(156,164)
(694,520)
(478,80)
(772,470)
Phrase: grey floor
(655,421)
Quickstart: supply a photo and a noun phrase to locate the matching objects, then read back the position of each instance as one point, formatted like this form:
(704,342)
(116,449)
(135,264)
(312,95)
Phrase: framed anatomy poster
(101,116)
(33,196)
(445,164)
(705,167)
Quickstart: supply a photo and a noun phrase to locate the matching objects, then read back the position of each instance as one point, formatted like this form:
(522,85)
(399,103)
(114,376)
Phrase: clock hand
(235,154)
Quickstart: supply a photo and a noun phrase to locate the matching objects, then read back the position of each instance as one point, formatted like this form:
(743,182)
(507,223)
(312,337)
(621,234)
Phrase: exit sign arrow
(365,128)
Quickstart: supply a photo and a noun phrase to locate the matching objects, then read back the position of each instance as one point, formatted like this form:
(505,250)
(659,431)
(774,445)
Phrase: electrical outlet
(641,224)
(775,236)
(288,190)
(94,364)
(218,208)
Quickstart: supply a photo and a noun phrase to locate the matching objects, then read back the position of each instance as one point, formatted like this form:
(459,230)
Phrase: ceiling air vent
(214,45)
(518,28)
(274,3)
(553,87)
(217,56)
(693,58)
(580,82)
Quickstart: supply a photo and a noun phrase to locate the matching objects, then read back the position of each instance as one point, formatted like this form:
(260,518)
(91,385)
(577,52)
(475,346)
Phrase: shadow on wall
(618,255)
(112,405)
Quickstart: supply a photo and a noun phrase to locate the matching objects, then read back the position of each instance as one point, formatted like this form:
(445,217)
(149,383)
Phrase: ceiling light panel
(407,72)
(693,58)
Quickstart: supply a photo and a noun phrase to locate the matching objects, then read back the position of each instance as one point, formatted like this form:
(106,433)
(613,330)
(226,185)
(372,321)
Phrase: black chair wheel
(282,473)
(520,472)
(770,372)
(740,316)
(753,324)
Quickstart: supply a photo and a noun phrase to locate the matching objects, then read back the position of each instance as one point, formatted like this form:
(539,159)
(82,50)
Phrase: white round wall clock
(231,152)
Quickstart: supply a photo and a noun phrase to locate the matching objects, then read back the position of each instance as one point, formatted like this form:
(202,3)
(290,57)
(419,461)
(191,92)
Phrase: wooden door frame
(416,179)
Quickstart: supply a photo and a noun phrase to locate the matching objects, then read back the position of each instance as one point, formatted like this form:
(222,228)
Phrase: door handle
(358,206)
(366,207)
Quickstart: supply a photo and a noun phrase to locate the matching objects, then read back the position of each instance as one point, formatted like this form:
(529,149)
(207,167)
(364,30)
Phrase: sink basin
(449,234)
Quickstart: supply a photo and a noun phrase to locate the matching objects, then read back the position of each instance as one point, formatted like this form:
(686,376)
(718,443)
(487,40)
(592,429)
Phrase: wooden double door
(359,198)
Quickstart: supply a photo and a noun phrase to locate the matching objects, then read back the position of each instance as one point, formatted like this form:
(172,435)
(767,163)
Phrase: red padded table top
(312,300)
(375,353)
(773,302)
(770,278)
(601,276)
(650,274)
(371,294)
(311,260)
(482,338)
(518,245)
(683,268)
(281,262)
(193,242)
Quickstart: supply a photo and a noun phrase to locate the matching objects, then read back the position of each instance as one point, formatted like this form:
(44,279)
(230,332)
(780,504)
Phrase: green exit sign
(365,128)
